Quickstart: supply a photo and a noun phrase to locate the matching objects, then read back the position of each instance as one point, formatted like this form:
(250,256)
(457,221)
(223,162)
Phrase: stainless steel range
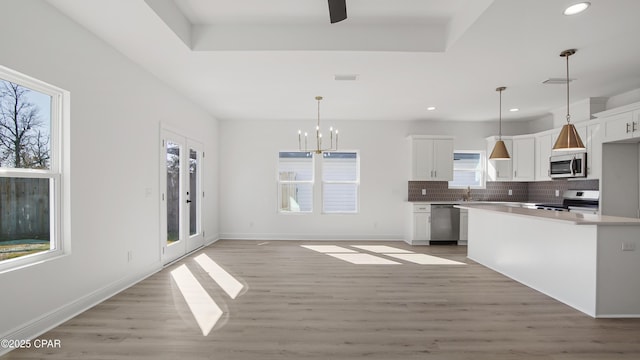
(582,201)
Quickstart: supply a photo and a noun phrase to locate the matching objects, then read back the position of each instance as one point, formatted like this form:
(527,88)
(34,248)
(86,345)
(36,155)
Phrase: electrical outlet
(424,191)
(628,246)
(557,193)
(510,192)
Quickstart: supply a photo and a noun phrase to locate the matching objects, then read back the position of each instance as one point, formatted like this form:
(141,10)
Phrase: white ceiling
(267,60)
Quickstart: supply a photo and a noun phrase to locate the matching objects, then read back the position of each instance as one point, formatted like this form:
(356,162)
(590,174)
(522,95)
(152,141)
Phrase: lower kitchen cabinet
(418,230)
(464,227)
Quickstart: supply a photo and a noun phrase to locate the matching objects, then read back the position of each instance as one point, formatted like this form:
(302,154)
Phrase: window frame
(58,225)
(356,182)
(482,170)
(280,182)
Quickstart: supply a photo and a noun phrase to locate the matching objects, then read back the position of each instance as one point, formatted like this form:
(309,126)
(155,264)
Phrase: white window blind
(340,182)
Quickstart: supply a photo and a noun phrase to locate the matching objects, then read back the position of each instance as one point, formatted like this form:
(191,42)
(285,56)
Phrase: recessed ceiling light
(431,108)
(577,8)
(514,109)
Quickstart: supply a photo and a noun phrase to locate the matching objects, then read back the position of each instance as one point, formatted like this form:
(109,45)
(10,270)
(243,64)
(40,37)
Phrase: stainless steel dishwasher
(445,224)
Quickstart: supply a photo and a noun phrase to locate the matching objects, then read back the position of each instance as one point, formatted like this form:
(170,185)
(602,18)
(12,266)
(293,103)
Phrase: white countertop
(562,216)
(476,202)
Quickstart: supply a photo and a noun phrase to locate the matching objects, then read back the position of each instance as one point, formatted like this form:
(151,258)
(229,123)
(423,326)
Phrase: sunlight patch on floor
(364,259)
(202,306)
(360,258)
(328,249)
(227,282)
(424,259)
(382,249)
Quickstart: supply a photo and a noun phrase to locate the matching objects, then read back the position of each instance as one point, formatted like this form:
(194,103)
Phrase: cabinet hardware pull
(628,127)
(633,127)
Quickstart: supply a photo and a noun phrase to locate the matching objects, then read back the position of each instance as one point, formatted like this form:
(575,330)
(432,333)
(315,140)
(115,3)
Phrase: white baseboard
(58,316)
(310,237)
(210,240)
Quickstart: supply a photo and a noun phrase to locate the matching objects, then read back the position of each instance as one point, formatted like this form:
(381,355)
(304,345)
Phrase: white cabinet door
(442,160)
(619,127)
(431,159)
(422,159)
(543,152)
(464,225)
(422,226)
(499,170)
(594,150)
(524,159)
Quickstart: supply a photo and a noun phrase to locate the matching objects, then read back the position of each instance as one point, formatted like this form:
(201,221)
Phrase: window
(340,182)
(468,170)
(295,182)
(30,169)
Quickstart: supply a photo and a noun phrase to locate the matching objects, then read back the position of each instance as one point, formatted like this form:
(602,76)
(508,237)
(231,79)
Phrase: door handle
(571,165)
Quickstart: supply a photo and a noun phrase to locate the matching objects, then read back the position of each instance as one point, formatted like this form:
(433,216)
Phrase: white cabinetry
(621,126)
(419,226)
(431,158)
(594,150)
(544,143)
(523,158)
(464,227)
(499,170)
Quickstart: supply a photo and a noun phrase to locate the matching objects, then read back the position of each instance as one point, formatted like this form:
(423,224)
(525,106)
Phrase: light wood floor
(302,304)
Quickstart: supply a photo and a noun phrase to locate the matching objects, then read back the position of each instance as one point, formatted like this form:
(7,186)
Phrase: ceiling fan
(337,10)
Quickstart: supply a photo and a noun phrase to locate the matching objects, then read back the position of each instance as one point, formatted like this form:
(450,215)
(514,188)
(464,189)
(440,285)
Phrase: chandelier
(318,148)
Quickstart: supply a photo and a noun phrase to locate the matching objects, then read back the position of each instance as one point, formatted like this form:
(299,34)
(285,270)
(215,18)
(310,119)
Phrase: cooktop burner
(556,207)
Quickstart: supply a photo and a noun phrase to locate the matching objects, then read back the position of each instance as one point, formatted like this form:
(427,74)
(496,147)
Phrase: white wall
(116,111)
(248,164)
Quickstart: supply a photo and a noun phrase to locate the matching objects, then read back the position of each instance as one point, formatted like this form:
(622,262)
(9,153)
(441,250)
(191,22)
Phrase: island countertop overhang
(560,216)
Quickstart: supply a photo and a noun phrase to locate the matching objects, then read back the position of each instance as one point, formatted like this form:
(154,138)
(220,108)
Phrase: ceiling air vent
(557,81)
(345,77)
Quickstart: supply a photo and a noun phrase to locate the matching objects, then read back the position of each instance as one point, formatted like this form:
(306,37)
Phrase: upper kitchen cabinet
(523,157)
(499,170)
(621,124)
(431,158)
(544,145)
(594,149)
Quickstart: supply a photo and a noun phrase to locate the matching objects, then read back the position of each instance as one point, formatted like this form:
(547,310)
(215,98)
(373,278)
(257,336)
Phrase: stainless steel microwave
(568,166)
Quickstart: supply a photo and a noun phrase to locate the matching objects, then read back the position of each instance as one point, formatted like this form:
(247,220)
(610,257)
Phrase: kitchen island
(589,262)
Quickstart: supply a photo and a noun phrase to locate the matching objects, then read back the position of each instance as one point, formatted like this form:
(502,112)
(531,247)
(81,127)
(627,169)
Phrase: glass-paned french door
(181,195)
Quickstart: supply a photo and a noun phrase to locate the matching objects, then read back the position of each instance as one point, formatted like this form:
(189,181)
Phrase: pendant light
(569,139)
(499,149)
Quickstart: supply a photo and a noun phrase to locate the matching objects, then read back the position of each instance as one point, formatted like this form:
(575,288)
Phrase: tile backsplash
(537,192)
